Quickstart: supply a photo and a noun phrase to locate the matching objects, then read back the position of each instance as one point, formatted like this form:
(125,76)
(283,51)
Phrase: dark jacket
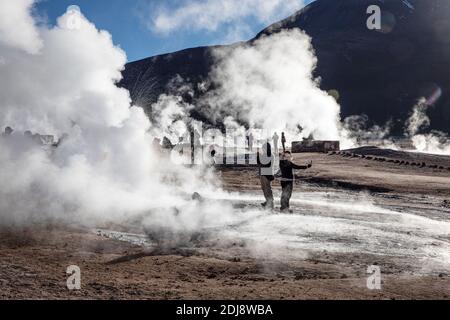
(287,170)
(269,163)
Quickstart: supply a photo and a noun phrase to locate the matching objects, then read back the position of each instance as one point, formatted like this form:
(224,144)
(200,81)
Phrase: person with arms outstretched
(287,168)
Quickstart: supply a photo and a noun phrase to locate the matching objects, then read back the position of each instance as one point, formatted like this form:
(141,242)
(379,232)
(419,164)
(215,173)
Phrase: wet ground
(412,232)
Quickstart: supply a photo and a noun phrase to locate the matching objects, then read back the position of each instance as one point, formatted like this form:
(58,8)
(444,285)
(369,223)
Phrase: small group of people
(251,140)
(265,160)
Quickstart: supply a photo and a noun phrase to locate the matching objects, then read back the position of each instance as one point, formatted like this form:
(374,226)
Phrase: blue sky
(145,28)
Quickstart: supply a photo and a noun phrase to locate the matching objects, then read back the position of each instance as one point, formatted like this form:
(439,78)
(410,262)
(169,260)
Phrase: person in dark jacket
(265,161)
(283,141)
(287,168)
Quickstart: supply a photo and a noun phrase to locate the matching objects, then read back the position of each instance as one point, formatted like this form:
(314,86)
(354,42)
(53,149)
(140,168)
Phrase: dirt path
(322,251)
(36,270)
(354,173)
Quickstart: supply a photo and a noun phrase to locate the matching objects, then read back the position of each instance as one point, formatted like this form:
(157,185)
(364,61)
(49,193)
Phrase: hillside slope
(377,73)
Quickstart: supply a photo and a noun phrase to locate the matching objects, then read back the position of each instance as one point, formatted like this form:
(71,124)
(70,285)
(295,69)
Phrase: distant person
(287,178)
(28,134)
(275,138)
(265,160)
(283,141)
(250,142)
(8,132)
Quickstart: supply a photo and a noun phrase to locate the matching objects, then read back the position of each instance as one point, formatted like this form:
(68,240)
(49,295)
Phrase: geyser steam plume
(62,80)
(434,142)
(267,84)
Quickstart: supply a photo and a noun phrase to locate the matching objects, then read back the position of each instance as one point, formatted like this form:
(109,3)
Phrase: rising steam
(105,168)
(267,84)
(434,142)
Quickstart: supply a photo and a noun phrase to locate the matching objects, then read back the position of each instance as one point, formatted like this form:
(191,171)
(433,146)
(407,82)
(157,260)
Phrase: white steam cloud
(269,84)
(266,85)
(105,168)
(434,142)
(211,15)
(17,27)
(418,119)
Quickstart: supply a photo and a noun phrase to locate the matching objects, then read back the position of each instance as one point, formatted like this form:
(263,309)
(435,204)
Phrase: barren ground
(349,213)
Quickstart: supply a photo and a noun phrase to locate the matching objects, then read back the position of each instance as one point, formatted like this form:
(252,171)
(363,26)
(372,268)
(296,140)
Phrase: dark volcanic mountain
(380,73)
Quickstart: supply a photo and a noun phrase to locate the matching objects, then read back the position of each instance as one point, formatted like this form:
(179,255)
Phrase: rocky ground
(349,213)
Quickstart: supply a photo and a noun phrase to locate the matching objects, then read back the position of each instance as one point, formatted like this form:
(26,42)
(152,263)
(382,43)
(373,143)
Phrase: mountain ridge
(381,74)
